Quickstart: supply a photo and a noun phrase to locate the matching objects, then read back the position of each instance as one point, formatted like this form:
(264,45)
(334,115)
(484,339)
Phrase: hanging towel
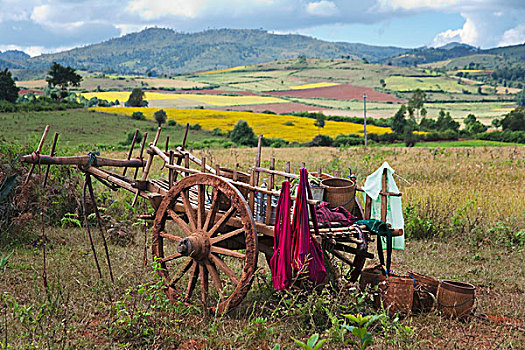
(307,253)
(394,216)
(281,261)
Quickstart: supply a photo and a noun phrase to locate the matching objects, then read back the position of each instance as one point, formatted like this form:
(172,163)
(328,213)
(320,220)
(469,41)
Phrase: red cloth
(326,215)
(281,261)
(307,253)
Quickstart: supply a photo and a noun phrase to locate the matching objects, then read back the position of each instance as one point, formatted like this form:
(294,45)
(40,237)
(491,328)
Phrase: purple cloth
(327,216)
(281,261)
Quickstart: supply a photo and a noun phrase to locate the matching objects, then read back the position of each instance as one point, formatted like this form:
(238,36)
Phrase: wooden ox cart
(204,230)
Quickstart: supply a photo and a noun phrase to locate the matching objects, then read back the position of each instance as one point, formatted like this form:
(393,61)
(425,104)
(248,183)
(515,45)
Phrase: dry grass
(465,192)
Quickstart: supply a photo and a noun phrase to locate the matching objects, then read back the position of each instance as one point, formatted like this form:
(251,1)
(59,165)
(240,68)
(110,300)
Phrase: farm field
(286,127)
(86,130)
(476,235)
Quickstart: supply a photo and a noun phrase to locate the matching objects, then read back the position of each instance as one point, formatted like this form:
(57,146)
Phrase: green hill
(157,51)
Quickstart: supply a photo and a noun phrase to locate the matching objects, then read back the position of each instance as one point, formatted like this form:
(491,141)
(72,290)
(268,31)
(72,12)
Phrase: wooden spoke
(218,225)
(164,234)
(226,236)
(210,218)
(215,278)
(228,252)
(192,280)
(201,191)
(225,268)
(184,269)
(204,285)
(181,223)
(171,257)
(189,210)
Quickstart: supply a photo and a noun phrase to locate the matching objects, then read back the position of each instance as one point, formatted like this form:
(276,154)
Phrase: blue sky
(42,26)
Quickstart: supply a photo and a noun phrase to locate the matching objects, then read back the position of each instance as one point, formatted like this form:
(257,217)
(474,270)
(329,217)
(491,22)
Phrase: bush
(172,122)
(138,116)
(195,127)
(6,106)
(515,120)
(242,134)
(321,140)
(348,140)
(503,136)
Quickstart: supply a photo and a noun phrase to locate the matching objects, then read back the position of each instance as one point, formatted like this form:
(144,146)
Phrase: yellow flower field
(313,86)
(222,70)
(214,100)
(270,125)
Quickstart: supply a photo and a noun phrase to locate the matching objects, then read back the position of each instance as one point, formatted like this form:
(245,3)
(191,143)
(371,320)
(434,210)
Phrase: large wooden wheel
(203,231)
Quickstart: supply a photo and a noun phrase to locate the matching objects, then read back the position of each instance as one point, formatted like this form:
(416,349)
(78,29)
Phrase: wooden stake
(148,166)
(131,150)
(287,170)
(170,171)
(51,154)
(86,222)
(38,150)
(100,225)
(141,152)
(384,199)
(271,180)
(258,160)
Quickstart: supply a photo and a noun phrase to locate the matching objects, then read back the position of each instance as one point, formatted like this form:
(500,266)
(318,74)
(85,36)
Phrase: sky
(46,26)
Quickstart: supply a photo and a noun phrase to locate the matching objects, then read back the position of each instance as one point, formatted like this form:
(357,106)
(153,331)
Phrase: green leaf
(352,318)
(313,339)
(321,343)
(359,332)
(300,343)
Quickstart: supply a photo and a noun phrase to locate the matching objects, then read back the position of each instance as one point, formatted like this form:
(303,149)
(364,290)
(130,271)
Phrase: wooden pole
(38,150)
(131,150)
(141,152)
(271,180)
(51,154)
(81,161)
(148,166)
(170,171)
(384,199)
(258,160)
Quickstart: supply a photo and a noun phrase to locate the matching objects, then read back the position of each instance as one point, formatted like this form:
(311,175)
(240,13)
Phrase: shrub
(172,122)
(321,140)
(160,116)
(242,134)
(195,127)
(138,116)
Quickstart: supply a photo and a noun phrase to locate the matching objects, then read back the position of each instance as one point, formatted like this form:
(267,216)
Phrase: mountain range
(159,51)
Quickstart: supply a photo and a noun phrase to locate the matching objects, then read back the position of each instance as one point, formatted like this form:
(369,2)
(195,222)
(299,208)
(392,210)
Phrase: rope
(92,160)
(457,305)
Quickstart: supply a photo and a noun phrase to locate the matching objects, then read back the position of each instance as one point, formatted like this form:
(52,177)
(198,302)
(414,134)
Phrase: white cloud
(389,5)
(322,8)
(514,36)
(151,9)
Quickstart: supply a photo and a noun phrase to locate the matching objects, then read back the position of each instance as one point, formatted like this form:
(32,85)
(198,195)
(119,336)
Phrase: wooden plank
(82,161)
(141,152)
(271,180)
(258,160)
(131,150)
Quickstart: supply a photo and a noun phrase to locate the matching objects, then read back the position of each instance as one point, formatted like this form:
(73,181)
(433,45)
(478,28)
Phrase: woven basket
(425,292)
(339,192)
(456,299)
(397,294)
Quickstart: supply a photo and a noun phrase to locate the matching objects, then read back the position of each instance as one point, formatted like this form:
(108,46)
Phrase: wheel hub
(196,246)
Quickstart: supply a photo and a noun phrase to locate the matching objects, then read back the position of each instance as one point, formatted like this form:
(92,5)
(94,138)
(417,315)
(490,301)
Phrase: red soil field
(274,107)
(339,92)
(25,91)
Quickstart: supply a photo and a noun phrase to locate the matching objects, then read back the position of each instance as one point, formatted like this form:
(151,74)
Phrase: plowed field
(340,92)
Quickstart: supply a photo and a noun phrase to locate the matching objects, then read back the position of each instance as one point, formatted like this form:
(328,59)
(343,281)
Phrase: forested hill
(164,51)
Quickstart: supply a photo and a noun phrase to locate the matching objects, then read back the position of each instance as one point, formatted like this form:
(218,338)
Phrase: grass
(404,83)
(86,129)
(300,130)
(473,197)
(463,143)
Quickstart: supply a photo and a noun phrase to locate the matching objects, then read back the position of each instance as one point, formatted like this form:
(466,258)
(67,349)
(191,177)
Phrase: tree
(496,123)
(473,126)
(136,98)
(8,88)
(423,112)
(320,121)
(382,83)
(445,122)
(160,116)
(59,75)
(417,100)
(243,134)
(515,120)
(520,98)
(398,121)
